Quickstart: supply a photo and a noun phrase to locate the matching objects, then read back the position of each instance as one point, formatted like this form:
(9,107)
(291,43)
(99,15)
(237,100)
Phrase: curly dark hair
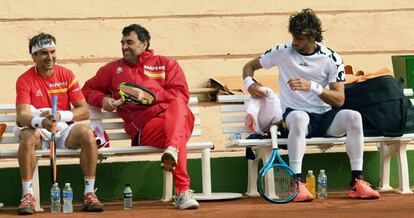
(306,23)
(142,33)
(38,38)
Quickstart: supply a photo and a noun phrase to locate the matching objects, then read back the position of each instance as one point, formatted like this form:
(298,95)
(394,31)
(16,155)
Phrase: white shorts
(60,140)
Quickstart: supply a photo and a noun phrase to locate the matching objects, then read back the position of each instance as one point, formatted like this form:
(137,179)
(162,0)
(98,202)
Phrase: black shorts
(318,123)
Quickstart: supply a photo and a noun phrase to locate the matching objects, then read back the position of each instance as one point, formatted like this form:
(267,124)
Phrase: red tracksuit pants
(172,127)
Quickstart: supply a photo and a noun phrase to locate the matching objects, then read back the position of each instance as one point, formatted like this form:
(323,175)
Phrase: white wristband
(315,88)
(37,122)
(248,81)
(66,116)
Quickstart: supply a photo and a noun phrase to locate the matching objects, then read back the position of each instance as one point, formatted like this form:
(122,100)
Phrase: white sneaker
(169,159)
(186,200)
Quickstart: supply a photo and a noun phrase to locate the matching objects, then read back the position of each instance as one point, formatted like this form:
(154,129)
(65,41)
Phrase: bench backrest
(110,121)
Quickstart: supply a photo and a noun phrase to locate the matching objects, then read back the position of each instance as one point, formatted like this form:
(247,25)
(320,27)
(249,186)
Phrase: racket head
(284,188)
(136,94)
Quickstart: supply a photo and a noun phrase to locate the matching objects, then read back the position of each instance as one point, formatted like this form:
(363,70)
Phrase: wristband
(315,88)
(248,81)
(66,116)
(37,122)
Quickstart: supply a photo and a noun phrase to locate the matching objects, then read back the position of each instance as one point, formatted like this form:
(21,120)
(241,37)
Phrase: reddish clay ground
(337,205)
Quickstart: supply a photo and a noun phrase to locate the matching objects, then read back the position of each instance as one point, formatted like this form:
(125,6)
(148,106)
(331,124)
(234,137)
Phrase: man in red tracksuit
(167,123)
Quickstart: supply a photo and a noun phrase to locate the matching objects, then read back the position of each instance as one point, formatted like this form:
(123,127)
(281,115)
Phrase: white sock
(89,185)
(27,187)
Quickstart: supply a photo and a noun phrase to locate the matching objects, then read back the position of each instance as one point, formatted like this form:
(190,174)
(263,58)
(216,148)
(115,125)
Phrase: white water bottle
(127,197)
(322,185)
(67,199)
(55,206)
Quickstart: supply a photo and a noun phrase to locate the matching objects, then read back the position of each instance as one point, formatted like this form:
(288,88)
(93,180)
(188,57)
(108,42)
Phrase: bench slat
(7,108)
(233,119)
(196,132)
(7,118)
(9,140)
(232,98)
(234,129)
(408,92)
(233,108)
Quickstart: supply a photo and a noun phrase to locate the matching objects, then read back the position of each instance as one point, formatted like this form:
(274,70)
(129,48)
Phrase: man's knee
(354,119)
(83,134)
(29,137)
(297,119)
(355,116)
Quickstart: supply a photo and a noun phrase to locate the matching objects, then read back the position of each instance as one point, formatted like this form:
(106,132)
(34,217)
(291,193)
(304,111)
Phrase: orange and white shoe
(304,194)
(27,205)
(362,189)
(91,203)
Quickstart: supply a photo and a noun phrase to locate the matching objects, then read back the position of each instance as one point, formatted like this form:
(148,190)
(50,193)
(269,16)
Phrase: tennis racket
(284,187)
(135,94)
(53,141)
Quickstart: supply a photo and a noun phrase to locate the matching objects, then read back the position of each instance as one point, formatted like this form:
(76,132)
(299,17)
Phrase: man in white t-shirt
(311,82)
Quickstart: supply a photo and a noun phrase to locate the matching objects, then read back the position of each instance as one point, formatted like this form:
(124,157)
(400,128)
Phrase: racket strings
(134,94)
(284,185)
(284,182)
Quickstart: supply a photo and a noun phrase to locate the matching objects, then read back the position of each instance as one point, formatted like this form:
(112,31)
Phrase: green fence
(403,66)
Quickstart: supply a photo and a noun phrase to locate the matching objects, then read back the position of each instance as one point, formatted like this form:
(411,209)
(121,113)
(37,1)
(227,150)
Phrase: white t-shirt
(323,67)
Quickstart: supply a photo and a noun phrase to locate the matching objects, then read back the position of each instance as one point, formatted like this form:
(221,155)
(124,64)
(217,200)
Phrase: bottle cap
(322,171)
(67,184)
(310,171)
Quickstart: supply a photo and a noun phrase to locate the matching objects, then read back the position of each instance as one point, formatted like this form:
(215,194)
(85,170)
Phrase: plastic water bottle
(322,185)
(311,183)
(67,199)
(127,197)
(237,136)
(55,198)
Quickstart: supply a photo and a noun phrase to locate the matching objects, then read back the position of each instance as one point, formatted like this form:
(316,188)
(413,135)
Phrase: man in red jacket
(167,123)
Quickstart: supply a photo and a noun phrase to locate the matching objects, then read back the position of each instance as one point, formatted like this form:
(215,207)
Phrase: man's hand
(47,113)
(47,122)
(107,104)
(256,91)
(297,83)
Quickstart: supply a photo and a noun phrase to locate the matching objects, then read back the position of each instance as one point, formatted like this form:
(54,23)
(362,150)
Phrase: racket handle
(273,134)
(117,102)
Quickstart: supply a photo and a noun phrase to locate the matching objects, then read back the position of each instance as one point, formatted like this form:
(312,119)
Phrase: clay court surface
(338,205)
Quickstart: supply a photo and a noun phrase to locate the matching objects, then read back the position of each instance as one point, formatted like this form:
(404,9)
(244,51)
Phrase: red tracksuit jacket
(160,74)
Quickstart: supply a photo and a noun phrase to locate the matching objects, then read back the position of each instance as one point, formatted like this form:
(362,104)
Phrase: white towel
(60,126)
(261,112)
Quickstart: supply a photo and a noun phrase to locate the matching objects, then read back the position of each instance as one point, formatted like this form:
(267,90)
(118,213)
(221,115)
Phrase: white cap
(310,171)
(67,184)
(322,171)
